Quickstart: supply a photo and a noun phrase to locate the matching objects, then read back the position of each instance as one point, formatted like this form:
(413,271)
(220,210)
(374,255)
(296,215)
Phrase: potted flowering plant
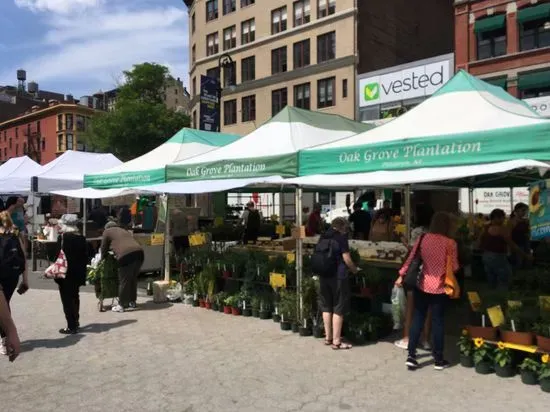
(466,348)
(229,301)
(529,371)
(503,361)
(544,373)
(483,357)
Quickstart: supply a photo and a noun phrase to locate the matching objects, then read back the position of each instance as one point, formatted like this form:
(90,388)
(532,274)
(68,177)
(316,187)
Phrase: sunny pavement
(179,358)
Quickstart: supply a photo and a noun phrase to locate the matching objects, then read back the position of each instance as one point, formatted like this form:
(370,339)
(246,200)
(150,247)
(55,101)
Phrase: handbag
(452,289)
(414,271)
(58,269)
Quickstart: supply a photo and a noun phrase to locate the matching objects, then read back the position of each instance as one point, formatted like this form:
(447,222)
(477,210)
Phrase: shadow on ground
(63,342)
(105,327)
(150,305)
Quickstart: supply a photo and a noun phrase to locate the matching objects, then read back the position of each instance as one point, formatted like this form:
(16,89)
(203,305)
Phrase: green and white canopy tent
(269,153)
(463,134)
(150,169)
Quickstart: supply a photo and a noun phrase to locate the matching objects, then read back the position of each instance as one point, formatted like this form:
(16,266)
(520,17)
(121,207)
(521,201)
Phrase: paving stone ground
(184,359)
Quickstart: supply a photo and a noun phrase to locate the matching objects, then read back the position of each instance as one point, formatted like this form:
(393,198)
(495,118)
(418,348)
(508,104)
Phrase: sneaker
(118,309)
(412,363)
(132,305)
(3,349)
(440,365)
(402,344)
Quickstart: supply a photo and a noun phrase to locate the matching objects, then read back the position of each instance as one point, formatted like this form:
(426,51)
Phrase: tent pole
(281,207)
(511,200)
(471,200)
(408,212)
(84,216)
(167,241)
(33,231)
(299,244)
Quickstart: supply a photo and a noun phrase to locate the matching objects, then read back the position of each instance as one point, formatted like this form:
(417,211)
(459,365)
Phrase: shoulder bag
(452,288)
(414,271)
(58,269)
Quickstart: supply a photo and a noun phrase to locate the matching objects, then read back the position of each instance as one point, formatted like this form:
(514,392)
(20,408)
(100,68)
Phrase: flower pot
(207,305)
(295,328)
(247,312)
(220,307)
(215,306)
(305,332)
(466,361)
(265,314)
(486,333)
(255,313)
(545,385)
(484,368)
(529,377)
(196,303)
(276,318)
(202,303)
(285,325)
(506,371)
(543,343)
(518,338)
(318,332)
(235,311)
(227,310)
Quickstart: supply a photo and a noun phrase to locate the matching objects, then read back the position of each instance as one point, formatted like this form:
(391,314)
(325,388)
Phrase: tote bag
(452,289)
(58,269)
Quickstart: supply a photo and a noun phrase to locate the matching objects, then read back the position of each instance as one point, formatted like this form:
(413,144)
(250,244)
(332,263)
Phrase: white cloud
(57,6)
(90,50)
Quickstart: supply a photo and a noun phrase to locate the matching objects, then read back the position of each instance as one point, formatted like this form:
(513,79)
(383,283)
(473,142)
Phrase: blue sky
(81,46)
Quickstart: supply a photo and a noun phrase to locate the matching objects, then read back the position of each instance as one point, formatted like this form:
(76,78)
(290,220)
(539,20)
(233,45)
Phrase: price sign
(277,280)
(544,302)
(514,304)
(157,239)
(475,301)
(496,315)
(290,258)
(280,230)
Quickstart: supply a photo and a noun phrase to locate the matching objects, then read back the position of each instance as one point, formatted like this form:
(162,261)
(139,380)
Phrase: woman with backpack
(12,264)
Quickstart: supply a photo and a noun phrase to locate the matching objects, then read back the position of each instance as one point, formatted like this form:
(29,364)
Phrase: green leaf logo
(372,91)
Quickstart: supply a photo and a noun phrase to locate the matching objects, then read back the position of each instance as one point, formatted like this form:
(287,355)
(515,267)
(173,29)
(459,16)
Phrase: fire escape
(33,147)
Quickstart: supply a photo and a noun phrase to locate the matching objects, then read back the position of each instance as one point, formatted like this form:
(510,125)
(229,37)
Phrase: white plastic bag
(398,305)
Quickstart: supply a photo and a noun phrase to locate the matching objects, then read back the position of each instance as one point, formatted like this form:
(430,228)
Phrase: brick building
(44,133)
(507,43)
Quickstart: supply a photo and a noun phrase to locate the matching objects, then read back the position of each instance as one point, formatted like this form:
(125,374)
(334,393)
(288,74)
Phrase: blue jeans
(498,269)
(423,301)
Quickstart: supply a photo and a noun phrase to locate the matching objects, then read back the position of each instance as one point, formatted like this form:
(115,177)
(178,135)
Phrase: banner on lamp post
(209,104)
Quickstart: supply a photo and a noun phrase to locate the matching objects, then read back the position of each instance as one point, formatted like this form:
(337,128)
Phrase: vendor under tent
(149,169)
(16,173)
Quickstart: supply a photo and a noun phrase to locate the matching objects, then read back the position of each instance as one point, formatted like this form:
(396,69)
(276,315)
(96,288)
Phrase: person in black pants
(75,248)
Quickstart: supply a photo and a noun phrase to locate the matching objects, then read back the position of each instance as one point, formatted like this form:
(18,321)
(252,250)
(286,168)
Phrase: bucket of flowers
(466,348)
(484,357)
(544,373)
(529,369)
(503,361)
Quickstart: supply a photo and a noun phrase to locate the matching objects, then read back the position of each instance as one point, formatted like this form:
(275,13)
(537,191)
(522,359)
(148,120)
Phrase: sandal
(341,345)
(328,342)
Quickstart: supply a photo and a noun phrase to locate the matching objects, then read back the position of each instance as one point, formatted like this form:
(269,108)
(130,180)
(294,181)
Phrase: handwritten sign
(475,301)
(277,280)
(157,239)
(496,315)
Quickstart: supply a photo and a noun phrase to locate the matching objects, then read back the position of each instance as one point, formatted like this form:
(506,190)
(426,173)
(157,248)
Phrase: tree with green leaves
(140,121)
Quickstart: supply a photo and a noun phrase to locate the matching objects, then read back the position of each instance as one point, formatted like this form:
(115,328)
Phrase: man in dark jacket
(130,256)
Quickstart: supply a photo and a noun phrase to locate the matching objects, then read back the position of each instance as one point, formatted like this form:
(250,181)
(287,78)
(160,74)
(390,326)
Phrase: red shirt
(434,252)
(313,224)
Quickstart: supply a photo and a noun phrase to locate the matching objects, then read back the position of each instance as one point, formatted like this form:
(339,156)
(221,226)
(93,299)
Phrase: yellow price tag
(496,315)
(280,230)
(218,221)
(277,280)
(202,238)
(514,304)
(400,229)
(157,239)
(192,241)
(290,258)
(475,301)
(544,302)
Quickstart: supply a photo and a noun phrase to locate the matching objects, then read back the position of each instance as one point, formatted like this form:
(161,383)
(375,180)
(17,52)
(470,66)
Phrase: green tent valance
(490,23)
(534,80)
(498,81)
(542,11)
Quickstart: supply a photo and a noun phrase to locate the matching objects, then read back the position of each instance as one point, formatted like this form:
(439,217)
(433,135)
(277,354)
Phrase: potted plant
(244,302)
(466,348)
(529,369)
(234,302)
(265,308)
(542,330)
(255,304)
(228,304)
(482,331)
(503,361)
(544,373)
(220,300)
(288,310)
(516,330)
(483,357)
(309,300)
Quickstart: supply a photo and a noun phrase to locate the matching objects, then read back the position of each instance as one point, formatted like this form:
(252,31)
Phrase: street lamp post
(224,62)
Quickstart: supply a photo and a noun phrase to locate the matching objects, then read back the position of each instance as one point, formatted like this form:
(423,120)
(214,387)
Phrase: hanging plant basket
(545,385)
(285,325)
(484,332)
(506,371)
(484,368)
(467,361)
(518,338)
(529,377)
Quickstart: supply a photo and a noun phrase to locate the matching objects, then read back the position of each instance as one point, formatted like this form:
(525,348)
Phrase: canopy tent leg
(471,200)
(281,208)
(299,251)
(167,240)
(33,231)
(408,213)
(84,216)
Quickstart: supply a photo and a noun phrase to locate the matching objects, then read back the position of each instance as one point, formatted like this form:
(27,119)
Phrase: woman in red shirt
(434,248)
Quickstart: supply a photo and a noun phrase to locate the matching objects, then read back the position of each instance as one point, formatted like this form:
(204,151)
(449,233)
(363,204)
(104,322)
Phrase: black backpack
(324,261)
(12,258)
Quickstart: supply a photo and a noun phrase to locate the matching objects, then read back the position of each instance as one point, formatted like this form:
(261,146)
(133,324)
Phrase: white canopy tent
(16,173)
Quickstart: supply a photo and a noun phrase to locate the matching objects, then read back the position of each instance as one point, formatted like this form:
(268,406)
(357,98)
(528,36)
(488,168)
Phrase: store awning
(490,23)
(540,12)
(534,80)
(498,81)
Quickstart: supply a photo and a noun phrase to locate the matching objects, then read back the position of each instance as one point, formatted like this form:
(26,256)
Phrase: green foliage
(530,364)
(544,372)
(503,356)
(233,301)
(140,121)
(288,305)
(542,328)
(484,353)
(309,296)
(465,344)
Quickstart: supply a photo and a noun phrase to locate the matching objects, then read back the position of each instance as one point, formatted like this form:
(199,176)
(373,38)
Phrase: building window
(248,69)
(278,60)
(345,88)
(211,10)
(59,122)
(194,86)
(325,92)
(325,8)
(278,20)
(69,125)
(249,108)
(535,34)
(70,141)
(301,54)
(193,24)
(16,132)
(10,144)
(248,31)
(302,12)
(229,112)
(193,54)
(229,6)
(245,3)
(213,73)
(80,123)
(212,44)
(5,153)
(17,149)
(534,84)
(60,142)
(491,36)
(229,75)
(326,47)
(43,144)
(194,119)
(38,126)
(5,135)
(230,38)
(25,151)
(302,96)
(279,100)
